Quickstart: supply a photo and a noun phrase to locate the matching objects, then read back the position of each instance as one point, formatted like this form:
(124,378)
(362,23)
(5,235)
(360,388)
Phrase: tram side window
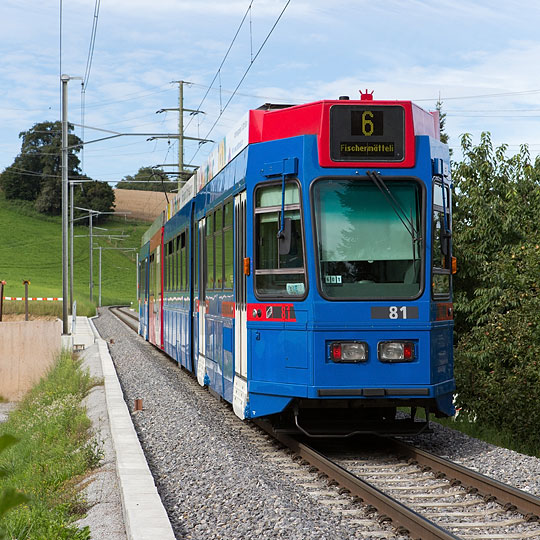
(278,274)
(142,280)
(228,246)
(152,275)
(183,263)
(165,266)
(219,249)
(177,260)
(196,261)
(210,252)
(218,242)
(169,269)
(441,227)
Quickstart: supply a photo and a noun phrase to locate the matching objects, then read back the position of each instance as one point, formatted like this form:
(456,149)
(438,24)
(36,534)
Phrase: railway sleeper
(410,488)
(445,514)
(484,525)
(456,504)
(501,536)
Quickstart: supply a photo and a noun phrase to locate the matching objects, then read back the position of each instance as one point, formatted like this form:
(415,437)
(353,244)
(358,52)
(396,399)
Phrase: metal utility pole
(64,79)
(91,214)
(91,259)
(101,248)
(71,247)
(180,131)
(183,173)
(99,302)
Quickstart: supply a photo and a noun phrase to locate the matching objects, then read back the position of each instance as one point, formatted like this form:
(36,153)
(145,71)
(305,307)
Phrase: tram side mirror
(445,242)
(284,237)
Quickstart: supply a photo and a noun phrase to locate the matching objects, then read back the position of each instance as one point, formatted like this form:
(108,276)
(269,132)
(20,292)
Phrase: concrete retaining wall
(27,350)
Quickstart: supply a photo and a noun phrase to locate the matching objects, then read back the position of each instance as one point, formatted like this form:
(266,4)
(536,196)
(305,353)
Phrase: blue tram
(305,272)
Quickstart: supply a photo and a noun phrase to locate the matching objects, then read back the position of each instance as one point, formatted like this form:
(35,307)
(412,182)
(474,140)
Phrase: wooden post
(2,283)
(26,282)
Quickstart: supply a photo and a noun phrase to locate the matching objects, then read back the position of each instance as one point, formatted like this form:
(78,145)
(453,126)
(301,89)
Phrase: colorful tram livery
(304,273)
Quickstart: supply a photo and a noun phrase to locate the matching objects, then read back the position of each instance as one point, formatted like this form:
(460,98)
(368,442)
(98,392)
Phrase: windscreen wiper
(377,179)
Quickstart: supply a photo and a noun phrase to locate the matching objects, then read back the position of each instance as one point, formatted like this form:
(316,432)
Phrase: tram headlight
(348,351)
(396,351)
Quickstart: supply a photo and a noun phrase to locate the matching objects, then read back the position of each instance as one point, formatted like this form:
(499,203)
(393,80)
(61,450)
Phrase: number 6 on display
(367,124)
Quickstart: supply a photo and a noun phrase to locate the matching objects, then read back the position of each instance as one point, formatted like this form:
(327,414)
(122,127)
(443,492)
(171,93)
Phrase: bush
(498,365)
(497,204)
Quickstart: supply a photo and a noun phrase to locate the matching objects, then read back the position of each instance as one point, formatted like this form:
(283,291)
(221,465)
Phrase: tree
(442,122)
(497,201)
(22,179)
(35,174)
(95,196)
(148,179)
(497,288)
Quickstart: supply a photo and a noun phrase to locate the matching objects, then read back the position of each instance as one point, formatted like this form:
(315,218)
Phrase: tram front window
(369,241)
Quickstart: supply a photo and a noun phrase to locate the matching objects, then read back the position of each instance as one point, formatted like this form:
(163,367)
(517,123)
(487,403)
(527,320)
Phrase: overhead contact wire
(89,59)
(218,72)
(245,73)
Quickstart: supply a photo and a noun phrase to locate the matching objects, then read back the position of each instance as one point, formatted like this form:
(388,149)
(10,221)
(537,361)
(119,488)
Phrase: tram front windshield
(369,242)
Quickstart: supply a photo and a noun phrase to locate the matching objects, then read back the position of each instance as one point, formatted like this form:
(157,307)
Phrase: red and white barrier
(23,298)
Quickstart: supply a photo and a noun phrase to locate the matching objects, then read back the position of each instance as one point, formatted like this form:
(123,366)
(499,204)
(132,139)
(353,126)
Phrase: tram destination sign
(364,133)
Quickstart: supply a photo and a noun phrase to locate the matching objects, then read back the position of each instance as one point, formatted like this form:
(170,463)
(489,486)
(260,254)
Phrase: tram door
(240,308)
(201,266)
(143,298)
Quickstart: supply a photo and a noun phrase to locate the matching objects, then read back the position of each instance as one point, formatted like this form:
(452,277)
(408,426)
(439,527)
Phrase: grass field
(31,248)
(52,458)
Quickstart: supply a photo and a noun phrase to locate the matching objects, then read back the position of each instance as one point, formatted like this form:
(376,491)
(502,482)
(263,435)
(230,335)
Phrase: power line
(136,95)
(92,45)
(258,96)
(218,72)
(465,115)
(84,83)
(245,73)
(482,96)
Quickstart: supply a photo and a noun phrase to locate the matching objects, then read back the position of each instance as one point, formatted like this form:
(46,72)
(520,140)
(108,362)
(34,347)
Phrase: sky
(479,57)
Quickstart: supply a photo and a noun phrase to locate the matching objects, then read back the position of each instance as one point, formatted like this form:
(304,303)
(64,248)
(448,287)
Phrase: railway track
(420,494)
(423,495)
(127,316)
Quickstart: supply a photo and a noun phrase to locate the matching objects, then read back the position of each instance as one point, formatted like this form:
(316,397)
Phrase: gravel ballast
(507,466)
(218,478)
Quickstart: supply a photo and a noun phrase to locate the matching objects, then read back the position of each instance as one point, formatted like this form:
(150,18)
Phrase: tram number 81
(394,312)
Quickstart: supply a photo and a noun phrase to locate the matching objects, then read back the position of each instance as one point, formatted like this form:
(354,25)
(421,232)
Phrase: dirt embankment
(141,205)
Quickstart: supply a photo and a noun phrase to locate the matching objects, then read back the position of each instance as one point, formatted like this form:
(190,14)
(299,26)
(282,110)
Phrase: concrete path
(5,409)
(123,487)
(124,502)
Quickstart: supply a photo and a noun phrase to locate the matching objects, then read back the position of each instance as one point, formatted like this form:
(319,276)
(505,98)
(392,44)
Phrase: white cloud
(319,50)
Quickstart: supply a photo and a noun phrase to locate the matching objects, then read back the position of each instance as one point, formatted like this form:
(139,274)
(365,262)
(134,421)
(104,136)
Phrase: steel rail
(524,502)
(404,518)
(127,318)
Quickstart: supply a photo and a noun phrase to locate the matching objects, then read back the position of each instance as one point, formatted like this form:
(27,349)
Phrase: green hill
(31,248)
